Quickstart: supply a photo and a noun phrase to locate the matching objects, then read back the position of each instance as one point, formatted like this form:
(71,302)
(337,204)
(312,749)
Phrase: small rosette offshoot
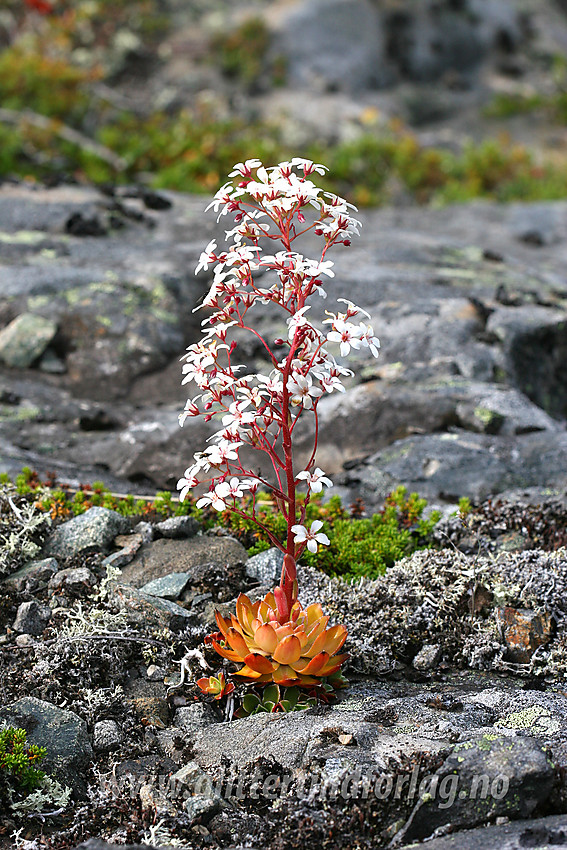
(216,686)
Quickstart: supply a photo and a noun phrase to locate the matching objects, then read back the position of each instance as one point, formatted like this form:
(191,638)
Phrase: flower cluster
(278,204)
(276,640)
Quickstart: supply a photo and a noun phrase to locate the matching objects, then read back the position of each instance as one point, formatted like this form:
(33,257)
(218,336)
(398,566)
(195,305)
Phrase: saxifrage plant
(275,639)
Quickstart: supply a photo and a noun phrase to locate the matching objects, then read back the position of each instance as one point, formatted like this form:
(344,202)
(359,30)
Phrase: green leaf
(292,695)
(271,694)
(250,703)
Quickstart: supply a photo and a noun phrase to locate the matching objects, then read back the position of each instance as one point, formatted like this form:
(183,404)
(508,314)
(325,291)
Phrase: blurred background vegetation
(84,97)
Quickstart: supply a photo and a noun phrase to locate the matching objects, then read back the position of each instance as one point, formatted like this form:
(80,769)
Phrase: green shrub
(18,759)
(358,547)
(241,53)
(50,86)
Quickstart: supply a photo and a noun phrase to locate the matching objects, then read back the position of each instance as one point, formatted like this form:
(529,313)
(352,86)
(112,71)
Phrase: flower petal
(222,623)
(314,612)
(311,667)
(333,664)
(247,673)
(285,676)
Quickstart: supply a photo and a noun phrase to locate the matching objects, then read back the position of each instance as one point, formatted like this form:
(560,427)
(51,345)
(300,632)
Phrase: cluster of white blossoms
(261,411)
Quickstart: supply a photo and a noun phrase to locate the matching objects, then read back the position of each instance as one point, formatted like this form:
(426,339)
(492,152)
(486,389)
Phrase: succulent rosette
(301,651)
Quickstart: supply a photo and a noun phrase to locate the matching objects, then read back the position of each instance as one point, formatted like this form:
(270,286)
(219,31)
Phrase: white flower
(242,169)
(186,483)
(368,338)
(206,257)
(223,452)
(353,309)
(215,498)
(236,415)
(273,383)
(315,479)
(302,391)
(233,488)
(346,334)
(308,165)
(298,320)
(310,536)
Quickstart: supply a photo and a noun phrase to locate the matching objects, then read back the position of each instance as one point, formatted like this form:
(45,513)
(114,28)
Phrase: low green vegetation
(242,54)
(62,503)
(359,546)
(19,760)
(56,96)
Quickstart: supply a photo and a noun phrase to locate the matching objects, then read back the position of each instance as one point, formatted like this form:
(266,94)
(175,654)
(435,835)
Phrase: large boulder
(61,732)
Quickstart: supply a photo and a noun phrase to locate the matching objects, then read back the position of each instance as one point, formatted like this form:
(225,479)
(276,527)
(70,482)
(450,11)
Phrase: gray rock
(431,39)
(130,544)
(444,467)
(25,339)
(106,735)
(524,331)
(61,732)
(178,527)
(266,567)
(210,563)
(151,609)
(201,808)
(193,779)
(32,618)
(170,586)
(191,717)
(428,657)
(76,582)
(333,44)
(30,576)
(537,224)
(94,530)
(539,833)
(504,777)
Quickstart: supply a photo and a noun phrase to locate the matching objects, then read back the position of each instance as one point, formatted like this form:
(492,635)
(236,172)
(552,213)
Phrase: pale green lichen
(535,717)
(36,302)
(18,414)
(22,237)
(50,794)
(21,524)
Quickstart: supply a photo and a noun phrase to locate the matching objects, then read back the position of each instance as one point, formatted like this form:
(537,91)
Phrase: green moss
(18,414)
(358,547)
(31,78)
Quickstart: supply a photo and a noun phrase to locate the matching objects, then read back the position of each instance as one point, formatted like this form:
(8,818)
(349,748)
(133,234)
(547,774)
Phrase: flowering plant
(275,638)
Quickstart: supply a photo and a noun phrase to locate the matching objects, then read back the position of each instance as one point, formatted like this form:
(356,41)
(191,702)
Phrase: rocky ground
(455,717)
(468,396)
